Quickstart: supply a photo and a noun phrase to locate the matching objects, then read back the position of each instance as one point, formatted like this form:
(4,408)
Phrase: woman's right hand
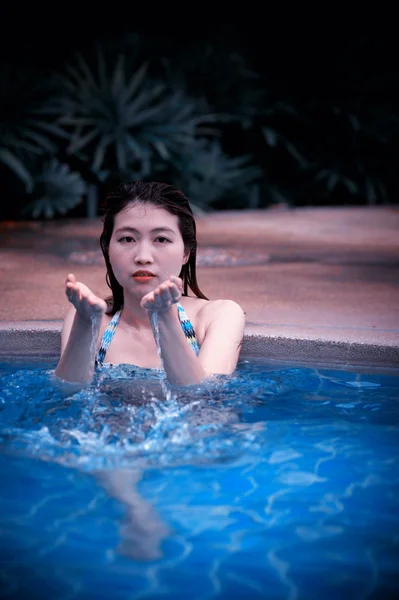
(87,304)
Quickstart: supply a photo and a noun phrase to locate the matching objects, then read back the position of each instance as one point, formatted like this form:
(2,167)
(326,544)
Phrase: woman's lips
(143,276)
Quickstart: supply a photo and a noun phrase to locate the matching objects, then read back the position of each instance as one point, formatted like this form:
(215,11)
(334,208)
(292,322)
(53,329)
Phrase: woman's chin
(137,292)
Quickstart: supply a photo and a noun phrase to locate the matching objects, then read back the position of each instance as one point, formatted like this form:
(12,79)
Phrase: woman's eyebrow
(155,230)
(159,229)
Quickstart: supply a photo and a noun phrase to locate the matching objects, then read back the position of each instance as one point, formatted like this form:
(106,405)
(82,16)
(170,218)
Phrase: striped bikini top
(111,328)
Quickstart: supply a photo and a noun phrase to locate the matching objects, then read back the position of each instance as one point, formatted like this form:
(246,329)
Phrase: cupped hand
(166,294)
(87,304)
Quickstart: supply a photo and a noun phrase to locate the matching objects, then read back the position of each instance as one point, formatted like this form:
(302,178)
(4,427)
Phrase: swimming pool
(278,482)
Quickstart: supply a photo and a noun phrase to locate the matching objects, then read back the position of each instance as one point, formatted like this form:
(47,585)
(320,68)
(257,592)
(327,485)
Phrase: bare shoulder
(228,310)
(205,309)
(223,324)
(217,307)
(207,314)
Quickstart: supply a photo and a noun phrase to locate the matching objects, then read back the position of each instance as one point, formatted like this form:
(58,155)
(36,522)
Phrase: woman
(149,245)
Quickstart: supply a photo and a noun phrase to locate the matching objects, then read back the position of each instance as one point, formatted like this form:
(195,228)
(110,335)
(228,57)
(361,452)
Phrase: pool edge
(42,339)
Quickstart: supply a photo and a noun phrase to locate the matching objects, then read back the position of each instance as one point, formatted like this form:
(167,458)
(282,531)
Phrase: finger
(76,292)
(95,303)
(148,301)
(70,286)
(70,289)
(91,299)
(178,282)
(71,278)
(165,292)
(175,293)
(158,302)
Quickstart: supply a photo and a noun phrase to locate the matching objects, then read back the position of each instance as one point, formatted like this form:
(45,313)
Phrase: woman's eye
(126,239)
(162,239)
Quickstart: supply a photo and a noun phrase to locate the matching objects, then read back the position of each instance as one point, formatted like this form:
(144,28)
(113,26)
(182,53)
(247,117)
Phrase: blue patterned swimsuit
(110,332)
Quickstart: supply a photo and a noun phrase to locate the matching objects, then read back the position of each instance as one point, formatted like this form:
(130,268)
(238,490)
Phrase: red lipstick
(143,276)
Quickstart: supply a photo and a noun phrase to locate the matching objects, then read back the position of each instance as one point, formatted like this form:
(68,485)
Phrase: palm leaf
(16,165)
(207,174)
(127,118)
(26,124)
(55,191)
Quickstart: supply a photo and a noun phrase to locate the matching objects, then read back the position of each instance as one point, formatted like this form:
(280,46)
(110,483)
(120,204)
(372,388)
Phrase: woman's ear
(186,257)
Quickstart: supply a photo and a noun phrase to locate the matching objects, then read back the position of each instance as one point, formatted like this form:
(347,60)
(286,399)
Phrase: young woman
(149,245)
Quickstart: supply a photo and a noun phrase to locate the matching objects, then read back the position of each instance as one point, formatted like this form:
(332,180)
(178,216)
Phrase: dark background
(313,61)
(288,44)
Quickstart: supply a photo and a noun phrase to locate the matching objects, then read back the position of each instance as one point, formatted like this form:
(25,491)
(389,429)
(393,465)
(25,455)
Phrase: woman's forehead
(143,215)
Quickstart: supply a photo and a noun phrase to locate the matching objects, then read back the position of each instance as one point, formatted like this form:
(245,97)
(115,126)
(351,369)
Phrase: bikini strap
(107,337)
(188,329)
(113,324)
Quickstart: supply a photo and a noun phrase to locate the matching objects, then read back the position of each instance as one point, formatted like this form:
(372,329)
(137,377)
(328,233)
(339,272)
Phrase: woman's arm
(181,365)
(220,348)
(80,332)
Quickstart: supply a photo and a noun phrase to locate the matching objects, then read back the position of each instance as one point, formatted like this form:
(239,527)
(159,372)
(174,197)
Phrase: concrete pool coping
(317,285)
(40,340)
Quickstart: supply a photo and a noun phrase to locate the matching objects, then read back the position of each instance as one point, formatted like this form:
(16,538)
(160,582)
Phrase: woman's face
(146,248)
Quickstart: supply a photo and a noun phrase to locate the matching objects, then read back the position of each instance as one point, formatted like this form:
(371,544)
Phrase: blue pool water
(273,483)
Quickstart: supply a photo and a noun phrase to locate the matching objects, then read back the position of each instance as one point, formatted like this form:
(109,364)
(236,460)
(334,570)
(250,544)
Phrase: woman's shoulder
(205,314)
(208,310)
(215,308)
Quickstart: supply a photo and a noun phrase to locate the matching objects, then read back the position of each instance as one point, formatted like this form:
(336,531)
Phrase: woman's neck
(134,315)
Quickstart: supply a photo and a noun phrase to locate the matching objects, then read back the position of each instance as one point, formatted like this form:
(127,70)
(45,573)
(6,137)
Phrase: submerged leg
(142,530)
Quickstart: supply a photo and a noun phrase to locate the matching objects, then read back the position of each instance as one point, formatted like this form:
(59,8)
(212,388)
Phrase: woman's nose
(143,253)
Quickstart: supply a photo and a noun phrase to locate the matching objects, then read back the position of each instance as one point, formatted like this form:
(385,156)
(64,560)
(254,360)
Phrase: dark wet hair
(156,194)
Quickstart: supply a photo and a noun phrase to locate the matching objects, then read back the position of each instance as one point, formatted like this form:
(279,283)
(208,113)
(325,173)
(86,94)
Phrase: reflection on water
(253,478)
(128,419)
(123,416)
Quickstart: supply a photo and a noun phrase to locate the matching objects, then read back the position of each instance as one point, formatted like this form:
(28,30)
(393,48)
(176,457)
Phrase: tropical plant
(208,175)
(353,155)
(27,124)
(327,151)
(222,80)
(55,190)
(120,120)
(275,139)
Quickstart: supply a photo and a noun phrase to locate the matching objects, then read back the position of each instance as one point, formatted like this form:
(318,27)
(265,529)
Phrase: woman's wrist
(165,318)
(89,320)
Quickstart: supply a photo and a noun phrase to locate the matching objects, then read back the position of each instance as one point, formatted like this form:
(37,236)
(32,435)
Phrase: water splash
(124,417)
(121,419)
(95,330)
(155,327)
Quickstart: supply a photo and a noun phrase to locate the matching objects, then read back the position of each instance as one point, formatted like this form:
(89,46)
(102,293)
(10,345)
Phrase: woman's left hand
(166,294)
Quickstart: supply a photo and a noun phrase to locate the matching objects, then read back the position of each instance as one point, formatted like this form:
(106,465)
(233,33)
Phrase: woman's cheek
(119,251)
(120,270)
